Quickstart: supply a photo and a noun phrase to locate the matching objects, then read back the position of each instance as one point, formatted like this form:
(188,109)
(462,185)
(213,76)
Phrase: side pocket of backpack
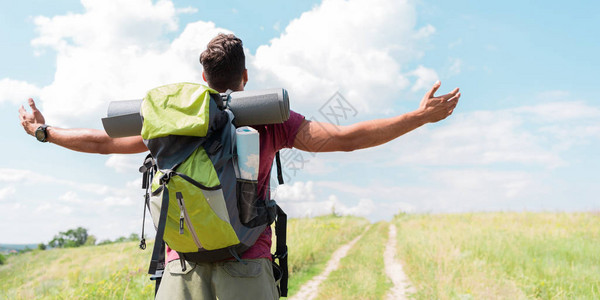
(248,201)
(196,219)
(252,208)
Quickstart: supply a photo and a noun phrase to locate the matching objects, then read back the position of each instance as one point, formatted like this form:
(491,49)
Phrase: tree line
(79,237)
(72,238)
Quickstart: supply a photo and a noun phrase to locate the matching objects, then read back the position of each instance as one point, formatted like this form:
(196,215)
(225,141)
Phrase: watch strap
(41,134)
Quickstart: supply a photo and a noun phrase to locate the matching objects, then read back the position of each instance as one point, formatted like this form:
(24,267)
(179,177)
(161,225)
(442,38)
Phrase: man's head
(224,63)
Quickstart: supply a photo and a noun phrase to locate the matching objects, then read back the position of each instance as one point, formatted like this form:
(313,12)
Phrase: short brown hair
(224,62)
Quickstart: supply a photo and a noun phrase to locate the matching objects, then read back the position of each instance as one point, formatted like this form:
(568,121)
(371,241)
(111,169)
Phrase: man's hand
(31,121)
(434,108)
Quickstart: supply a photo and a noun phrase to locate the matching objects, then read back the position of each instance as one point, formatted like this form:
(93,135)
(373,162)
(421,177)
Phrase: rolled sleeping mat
(269,106)
(123,118)
(259,107)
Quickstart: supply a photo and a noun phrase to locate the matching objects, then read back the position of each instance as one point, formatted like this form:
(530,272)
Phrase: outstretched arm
(82,140)
(323,137)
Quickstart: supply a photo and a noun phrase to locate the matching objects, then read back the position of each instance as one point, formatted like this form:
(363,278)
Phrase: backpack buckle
(166,176)
(271,211)
(281,255)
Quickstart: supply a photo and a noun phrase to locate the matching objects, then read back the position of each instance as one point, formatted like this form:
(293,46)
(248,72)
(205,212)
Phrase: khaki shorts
(220,280)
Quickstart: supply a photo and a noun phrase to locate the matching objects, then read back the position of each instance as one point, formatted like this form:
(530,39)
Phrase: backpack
(199,206)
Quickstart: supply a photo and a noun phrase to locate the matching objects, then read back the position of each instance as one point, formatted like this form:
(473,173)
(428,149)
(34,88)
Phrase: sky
(524,137)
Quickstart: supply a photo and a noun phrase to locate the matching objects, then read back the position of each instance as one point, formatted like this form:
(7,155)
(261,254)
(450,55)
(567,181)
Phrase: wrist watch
(41,134)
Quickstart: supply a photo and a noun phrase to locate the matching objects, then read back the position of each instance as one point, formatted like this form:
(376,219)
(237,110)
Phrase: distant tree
(134,237)
(41,246)
(91,241)
(121,239)
(334,213)
(70,238)
(104,242)
(2,259)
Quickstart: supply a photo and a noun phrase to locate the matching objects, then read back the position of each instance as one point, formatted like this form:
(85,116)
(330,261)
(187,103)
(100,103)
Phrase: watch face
(40,135)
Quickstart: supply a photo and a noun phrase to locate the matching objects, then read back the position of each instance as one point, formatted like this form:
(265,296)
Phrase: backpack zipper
(183,217)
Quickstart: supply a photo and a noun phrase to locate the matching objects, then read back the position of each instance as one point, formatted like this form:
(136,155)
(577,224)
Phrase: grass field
(116,271)
(502,255)
(312,241)
(452,256)
(361,274)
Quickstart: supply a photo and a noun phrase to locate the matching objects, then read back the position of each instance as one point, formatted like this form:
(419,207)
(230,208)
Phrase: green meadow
(501,255)
(446,256)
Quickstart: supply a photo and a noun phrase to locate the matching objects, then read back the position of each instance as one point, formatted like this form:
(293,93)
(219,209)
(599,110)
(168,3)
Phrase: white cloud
(455,66)
(425,78)
(299,191)
(186,10)
(115,50)
(126,163)
(494,184)
(77,203)
(538,136)
(70,197)
(118,201)
(455,43)
(446,190)
(301,200)
(28,177)
(17,92)
(83,196)
(108,24)
(363,208)
(560,111)
(553,95)
(7,192)
(23,176)
(53,208)
(134,184)
(340,45)
(482,138)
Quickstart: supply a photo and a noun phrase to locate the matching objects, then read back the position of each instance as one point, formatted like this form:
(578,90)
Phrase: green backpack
(199,207)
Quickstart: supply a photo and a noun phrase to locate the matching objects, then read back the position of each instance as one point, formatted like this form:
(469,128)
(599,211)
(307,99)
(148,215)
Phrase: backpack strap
(160,269)
(281,250)
(160,231)
(148,170)
(279,169)
(224,103)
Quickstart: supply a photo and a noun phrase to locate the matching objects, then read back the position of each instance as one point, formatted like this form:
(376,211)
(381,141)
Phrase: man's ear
(204,77)
(244,76)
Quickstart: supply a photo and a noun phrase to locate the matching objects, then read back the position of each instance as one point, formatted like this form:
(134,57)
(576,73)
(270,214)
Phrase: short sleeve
(284,134)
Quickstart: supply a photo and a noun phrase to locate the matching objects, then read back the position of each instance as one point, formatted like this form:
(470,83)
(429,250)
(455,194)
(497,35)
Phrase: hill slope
(118,271)
(454,256)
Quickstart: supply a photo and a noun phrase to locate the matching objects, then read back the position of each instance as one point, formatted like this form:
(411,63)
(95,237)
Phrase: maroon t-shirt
(273,138)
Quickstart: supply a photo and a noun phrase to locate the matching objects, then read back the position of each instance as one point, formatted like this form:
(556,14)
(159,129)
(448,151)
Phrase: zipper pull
(181,215)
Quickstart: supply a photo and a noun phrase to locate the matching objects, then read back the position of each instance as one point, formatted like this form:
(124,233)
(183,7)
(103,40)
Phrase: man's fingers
(451,98)
(452,102)
(32,104)
(434,89)
(37,115)
(450,95)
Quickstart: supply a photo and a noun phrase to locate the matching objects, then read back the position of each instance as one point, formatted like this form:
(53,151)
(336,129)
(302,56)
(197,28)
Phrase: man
(224,68)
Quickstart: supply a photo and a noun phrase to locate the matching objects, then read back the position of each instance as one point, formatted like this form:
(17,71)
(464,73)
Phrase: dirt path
(402,287)
(310,289)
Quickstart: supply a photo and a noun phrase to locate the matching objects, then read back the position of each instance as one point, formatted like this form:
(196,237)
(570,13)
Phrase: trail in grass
(309,290)
(393,268)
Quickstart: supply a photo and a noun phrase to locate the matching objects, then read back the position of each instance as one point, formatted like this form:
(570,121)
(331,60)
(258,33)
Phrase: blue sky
(524,137)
